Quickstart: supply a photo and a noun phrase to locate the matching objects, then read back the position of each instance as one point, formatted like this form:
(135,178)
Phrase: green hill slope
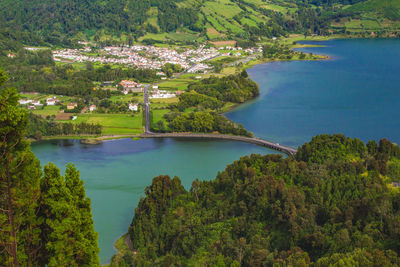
(57,21)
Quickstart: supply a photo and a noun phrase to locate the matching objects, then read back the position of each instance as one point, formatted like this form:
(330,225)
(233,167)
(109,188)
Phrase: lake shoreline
(97,139)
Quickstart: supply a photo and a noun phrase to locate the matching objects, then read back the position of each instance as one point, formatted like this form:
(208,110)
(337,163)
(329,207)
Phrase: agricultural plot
(182,37)
(127,98)
(227,10)
(216,24)
(154,36)
(212,33)
(249,22)
(158,114)
(47,111)
(114,123)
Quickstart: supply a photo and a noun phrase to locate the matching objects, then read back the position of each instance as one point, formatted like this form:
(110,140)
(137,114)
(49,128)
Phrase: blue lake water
(356,93)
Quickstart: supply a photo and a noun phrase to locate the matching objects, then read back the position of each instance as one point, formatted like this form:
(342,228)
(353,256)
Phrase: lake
(117,172)
(356,92)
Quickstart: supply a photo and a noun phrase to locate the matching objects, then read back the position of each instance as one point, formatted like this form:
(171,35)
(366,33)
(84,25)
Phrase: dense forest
(232,88)
(57,21)
(331,205)
(45,218)
(199,122)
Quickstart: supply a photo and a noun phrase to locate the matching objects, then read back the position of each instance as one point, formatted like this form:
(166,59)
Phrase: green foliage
(37,72)
(19,185)
(328,207)
(200,122)
(194,99)
(232,88)
(44,221)
(113,22)
(38,127)
(68,220)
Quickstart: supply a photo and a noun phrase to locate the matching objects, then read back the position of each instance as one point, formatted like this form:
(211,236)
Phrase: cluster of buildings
(30,104)
(142,56)
(131,86)
(164,94)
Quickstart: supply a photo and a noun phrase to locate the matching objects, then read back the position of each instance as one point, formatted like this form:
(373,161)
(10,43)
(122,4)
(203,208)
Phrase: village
(151,57)
(122,111)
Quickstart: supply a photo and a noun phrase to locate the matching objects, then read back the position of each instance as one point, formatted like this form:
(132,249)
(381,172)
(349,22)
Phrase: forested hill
(56,21)
(334,205)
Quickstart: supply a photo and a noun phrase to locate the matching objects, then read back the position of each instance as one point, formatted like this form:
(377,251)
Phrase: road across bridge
(257,141)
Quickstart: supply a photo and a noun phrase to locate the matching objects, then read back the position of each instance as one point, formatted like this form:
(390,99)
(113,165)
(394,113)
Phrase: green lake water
(117,172)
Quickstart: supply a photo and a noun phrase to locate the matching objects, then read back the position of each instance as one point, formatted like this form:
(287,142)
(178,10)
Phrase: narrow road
(147,109)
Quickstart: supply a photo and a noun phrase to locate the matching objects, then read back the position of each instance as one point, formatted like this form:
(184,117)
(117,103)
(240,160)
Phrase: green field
(127,98)
(114,123)
(47,111)
(158,114)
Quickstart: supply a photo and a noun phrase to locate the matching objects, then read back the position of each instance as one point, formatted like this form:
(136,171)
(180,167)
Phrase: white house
(36,103)
(51,101)
(24,101)
(133,107)
(155,86)
(92,108)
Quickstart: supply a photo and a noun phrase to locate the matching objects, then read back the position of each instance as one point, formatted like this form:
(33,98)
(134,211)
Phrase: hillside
(334,205)
(63,21)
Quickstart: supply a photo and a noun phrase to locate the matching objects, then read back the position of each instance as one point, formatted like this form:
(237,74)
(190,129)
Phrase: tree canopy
(45,220)
(331,205)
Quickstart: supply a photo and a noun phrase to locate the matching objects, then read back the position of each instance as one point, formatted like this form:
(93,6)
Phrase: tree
(68,226)
(86,248)
(19,184)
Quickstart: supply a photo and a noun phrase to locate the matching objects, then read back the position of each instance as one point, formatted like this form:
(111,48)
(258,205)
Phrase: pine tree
(59,226)
(68,228)
(19,185)
(85,247)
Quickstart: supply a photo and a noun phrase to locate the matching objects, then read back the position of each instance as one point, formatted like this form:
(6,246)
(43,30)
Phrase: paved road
(147,109)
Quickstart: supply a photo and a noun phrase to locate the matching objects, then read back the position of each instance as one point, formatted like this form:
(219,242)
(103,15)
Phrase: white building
(36,103)
(133,107)
(92,108)
(24,101)
(51,101)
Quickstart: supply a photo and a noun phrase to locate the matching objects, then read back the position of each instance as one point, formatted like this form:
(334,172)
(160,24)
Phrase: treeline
(200,101)
(199,122)
(45,218)
(37,72)
(38,127)
(276,51)
(331,205)
(233,88)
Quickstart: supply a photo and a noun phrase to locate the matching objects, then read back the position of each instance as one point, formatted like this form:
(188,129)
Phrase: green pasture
(114,123)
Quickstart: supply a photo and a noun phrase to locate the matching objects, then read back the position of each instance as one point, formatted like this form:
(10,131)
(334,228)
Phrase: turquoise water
(117,172)
(356,93)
